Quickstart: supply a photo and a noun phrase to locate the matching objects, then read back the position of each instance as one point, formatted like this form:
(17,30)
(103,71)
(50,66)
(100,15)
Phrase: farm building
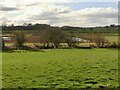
(6,37)
(75,39)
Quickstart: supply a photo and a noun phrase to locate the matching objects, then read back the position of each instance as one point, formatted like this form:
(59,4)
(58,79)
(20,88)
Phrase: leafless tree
(51,38)
(19,39)
(99,39)
(69,41)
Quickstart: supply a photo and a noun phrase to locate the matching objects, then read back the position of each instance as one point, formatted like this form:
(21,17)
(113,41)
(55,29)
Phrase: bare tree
(69,41)
(19,39)
(99,39)
(56,37)
(51,37)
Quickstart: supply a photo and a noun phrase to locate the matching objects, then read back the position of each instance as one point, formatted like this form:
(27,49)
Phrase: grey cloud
(45,16)
(8,8)
(90,19)
(105,15)
(60,16)
(33,4)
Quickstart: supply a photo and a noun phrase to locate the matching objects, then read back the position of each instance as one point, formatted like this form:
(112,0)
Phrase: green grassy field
(61,68)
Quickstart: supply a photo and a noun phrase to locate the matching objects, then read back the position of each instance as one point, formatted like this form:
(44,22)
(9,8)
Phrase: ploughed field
(60,68)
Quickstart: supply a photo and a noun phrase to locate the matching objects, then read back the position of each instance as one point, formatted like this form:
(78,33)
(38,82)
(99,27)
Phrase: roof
(75,39)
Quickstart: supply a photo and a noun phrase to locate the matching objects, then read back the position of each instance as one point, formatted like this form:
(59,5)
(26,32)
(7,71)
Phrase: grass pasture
(112,38)
(60,68)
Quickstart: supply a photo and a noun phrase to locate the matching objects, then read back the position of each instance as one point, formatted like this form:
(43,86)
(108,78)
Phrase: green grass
(61,68)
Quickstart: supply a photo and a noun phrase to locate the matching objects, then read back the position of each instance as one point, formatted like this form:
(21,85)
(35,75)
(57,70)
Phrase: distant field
(112,38)
(61,68)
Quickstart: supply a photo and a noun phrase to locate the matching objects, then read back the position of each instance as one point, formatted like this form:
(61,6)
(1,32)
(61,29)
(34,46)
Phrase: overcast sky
(59,13)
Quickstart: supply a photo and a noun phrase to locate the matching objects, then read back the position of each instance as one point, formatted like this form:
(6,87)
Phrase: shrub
(19,39)
(114,45)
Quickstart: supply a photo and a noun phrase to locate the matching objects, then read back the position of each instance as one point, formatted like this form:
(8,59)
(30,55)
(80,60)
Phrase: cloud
(42,12)
(88,17)
(8,9)
(3,20)
(9,6)
(56,14)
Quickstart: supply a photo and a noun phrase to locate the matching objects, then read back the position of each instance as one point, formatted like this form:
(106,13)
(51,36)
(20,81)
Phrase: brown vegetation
(55,38)
(19,39)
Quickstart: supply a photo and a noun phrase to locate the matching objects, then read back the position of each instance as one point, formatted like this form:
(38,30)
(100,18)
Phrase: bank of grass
(61,68)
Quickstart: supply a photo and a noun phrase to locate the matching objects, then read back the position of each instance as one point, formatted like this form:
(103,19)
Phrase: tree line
(53,38)
(38,26)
